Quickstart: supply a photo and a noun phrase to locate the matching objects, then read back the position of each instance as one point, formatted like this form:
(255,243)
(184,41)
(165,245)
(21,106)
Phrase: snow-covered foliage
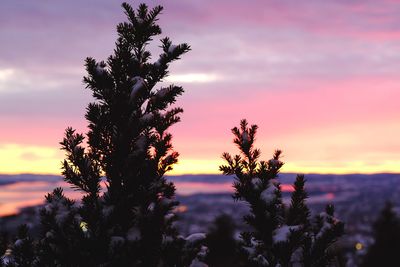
(21,252)
(195,238)
(138,85)
(172,48)
(279,235)
(282,233)
(269,194)
(257,183)
(197,263)
(100,68)
(147,118)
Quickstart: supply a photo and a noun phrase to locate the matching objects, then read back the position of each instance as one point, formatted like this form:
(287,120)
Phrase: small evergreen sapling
(23,250)
(279,236)
(4,252)
(385,249)
(130,222)
(62,241)
(221,243)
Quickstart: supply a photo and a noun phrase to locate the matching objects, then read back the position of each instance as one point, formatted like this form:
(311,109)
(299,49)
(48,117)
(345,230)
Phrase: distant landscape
(358,198)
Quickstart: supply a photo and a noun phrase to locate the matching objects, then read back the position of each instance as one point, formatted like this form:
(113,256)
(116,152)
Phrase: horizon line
(213,174)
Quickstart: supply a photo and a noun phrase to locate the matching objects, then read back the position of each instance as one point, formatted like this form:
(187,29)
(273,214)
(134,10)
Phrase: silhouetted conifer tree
(221,243)
(130,222)
(279,236)
(386,248)
(4,242)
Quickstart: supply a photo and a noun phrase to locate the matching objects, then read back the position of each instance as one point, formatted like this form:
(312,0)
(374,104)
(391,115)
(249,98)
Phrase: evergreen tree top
(278,236)
(130,222)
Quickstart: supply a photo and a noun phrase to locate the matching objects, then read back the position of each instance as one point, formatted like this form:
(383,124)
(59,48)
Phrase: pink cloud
(303,107)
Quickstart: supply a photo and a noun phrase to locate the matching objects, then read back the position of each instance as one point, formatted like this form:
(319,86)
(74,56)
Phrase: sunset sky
(320,78)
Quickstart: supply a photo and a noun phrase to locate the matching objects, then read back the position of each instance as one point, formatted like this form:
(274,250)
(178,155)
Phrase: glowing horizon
(323,91)
(194,167)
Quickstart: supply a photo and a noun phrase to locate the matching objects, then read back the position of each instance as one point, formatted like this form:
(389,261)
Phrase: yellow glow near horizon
(17,159)
(350,168)
(196,166)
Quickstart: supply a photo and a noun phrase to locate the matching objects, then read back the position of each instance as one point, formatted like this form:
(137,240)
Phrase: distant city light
(83,226)
(181,208)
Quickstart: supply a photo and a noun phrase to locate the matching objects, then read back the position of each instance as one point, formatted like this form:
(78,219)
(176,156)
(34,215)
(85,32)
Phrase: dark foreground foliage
(130,221)
(385,250)
(279,235)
